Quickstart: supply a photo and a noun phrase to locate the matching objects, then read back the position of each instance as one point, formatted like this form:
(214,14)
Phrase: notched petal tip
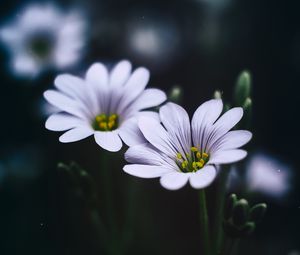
(174,180)
(203,178)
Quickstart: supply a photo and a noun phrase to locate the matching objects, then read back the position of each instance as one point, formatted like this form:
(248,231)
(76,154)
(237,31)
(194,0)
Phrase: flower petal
(62,122)
(70,85)
(130,132)
(65,103)
(174,180)
(203,177)
(145,171)
(149,98)
(97,74)
(177,122)
(156,135)
(226,122)
(26,65)
(108,140)
(227,156)
(203,119)
(11,35)
(148,114)
(76,134)
(134,86)
(231,140)
(144,154)
(120,74)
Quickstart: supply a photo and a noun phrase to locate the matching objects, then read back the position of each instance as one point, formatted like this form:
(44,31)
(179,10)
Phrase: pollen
(179,156)
(104,122)
(194,149)
(193,161)
(184,164)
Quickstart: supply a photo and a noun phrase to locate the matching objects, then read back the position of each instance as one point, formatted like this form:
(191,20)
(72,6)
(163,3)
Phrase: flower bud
(240,212)
(217,94)
(257,212)
(230,203)
(242,88)
(175,94)
(248,229)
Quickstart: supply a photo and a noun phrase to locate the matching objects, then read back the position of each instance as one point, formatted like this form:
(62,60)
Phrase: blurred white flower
(154,41)
(267,175)
(103,104)
(179,151)
(41,36)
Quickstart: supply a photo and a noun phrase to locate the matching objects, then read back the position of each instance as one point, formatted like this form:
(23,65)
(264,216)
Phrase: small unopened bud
(257,212)
(248,229)
(175,94)
(230,203)
(240,212)
(217,94)
(242,88)
(247,104)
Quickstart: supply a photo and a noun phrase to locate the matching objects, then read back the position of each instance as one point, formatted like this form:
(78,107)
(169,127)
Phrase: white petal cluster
(120,93)
(42,36)
(268,175)
(175,135)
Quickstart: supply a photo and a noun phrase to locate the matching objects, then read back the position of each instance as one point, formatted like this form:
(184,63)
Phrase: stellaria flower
(42,36)
(104,104)
(178,151)
(268,175)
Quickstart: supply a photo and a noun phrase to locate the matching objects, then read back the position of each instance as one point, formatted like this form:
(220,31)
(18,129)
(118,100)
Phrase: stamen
(103,122)
(204,155)
(184,164)
(179,156)
(192,162)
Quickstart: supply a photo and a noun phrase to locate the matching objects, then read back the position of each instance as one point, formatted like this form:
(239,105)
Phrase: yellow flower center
(104,122)
(193,161)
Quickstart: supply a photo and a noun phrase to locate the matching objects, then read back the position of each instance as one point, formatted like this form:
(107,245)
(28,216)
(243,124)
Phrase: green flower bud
(257,212)
(248,229)
(247,103)
(230,203)
(217,94)
(246,121)
(175,94)
(242,88)
(240,212)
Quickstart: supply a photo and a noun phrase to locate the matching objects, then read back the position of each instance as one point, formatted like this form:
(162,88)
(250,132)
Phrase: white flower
(268,175)
(103,104)
(41,37)
(178,152)
(155,40)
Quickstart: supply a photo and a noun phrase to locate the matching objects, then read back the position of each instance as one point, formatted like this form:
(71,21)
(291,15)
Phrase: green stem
(217,233)
(228,246)
(204,223)
(106,180)
(130,214)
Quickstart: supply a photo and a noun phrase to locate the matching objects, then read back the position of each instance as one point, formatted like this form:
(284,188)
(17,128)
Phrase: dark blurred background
(201,45)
